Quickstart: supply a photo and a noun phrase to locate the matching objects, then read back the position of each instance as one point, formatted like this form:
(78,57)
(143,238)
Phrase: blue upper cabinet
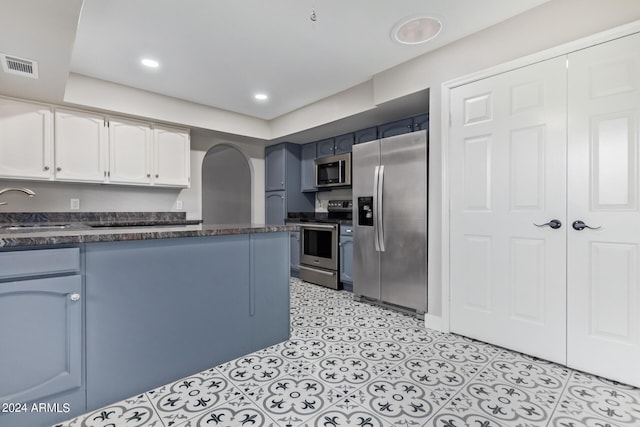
(275,167)
(325,148)
(421,122)
(366,135)
(332,146)
(343,144)
(283,183)
(307,167)
(396,128)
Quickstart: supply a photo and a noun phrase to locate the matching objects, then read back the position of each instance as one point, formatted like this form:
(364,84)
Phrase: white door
(129,152)
(80,146)
(507,169)
(603,276)
(171,153)
(26,140)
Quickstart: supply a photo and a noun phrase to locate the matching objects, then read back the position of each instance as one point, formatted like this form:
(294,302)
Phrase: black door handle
(580,225)
(554,223)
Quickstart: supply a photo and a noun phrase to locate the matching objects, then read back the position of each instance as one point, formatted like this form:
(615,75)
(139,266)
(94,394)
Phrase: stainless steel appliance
(390,229)
(334,171)
(319,250)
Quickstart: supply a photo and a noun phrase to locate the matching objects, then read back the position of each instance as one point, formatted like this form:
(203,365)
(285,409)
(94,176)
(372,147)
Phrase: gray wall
(226,187)
(56,197)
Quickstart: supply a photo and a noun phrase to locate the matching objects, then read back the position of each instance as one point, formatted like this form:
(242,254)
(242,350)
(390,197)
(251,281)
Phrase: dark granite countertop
(58,229)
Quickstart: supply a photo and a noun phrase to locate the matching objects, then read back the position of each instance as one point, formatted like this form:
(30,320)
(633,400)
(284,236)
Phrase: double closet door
(545,212)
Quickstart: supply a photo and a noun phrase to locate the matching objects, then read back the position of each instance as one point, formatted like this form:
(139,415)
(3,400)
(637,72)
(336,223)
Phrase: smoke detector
(19,66)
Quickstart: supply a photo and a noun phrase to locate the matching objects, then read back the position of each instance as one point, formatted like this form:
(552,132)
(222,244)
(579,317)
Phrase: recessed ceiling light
(261,96)
(416,30)
(151,63)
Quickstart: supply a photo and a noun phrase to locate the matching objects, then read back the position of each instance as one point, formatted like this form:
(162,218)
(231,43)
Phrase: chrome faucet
(21,189)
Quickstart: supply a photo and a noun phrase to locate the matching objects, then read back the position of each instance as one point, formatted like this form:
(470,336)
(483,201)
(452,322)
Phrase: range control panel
(340,206)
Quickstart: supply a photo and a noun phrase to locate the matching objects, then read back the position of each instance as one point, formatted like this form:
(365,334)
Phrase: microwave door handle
(379,208)
(376,176)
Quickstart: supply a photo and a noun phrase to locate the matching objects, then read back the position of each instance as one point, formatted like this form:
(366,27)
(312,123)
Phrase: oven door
(319,245)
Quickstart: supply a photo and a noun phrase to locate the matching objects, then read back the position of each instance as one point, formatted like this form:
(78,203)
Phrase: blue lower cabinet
(41,355)
(294,247)
(159,310)
(346,257)
(269,290)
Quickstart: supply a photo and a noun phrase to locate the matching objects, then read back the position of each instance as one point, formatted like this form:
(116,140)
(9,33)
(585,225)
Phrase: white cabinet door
(26,140)
(171,157)
(603,269)
(129,152)
(80,146)
(507,172)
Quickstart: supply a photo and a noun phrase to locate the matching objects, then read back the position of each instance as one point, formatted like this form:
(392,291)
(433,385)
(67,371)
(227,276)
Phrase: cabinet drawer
(39,261)
(346,230)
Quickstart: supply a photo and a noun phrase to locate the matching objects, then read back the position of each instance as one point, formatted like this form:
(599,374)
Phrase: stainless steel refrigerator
(390,221)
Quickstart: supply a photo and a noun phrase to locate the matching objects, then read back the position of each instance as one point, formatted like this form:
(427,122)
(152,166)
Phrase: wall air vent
(19,66)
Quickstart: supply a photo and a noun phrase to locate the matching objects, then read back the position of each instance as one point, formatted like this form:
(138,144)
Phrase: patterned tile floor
(352,364)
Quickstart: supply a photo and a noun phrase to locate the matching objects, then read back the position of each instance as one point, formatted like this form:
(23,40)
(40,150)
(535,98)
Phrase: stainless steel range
(319,250)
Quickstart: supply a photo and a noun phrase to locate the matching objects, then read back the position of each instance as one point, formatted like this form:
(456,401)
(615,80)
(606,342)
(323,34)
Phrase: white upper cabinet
(26,140)
(129,152)
(42,142)
(171,156)
(80,146)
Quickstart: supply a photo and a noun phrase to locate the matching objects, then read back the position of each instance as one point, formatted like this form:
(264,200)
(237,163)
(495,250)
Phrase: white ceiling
(219,53)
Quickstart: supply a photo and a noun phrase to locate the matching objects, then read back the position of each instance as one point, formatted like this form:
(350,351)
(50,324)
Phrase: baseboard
(433,322)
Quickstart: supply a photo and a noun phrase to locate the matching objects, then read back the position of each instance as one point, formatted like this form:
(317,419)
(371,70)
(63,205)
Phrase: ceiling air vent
(19,66)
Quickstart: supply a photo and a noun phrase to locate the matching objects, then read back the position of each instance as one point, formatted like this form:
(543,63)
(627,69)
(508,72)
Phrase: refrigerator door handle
(376,176)
(379,208)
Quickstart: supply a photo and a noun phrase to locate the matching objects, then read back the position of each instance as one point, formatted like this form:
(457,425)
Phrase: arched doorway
(226,186)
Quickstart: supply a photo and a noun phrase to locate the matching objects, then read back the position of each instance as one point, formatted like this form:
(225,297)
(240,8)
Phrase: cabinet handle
(58,168)
(148,175)
(109,174)
(157,175)
(46,168)
(75,297)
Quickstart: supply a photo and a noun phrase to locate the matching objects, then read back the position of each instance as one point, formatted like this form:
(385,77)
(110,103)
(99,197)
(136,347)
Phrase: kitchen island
(93,316)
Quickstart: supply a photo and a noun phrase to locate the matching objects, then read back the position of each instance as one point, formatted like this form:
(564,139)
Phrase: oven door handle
(319,226)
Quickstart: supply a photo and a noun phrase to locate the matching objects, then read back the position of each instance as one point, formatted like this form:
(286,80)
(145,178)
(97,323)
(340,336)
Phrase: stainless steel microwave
(334,171)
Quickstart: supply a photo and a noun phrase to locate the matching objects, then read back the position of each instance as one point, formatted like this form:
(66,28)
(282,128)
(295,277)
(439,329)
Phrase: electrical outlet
(179,205)
(75,204)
